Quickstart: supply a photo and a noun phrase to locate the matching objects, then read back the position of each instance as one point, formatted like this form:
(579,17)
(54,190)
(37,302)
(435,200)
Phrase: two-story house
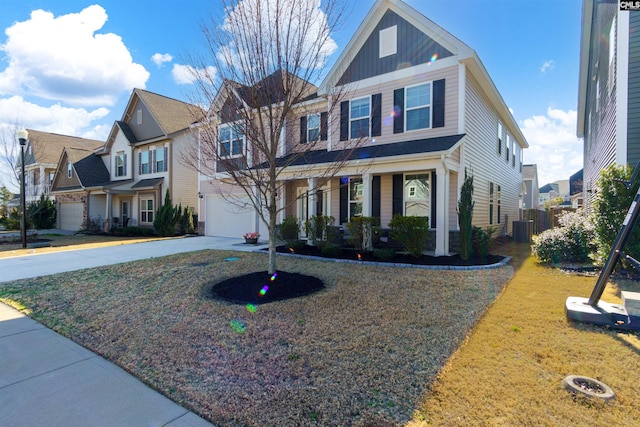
(609,85)
(530,190)
(428,111)
(41,156)
(132,170)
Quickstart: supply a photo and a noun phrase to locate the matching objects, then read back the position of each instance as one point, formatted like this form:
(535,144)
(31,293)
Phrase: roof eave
(583,75)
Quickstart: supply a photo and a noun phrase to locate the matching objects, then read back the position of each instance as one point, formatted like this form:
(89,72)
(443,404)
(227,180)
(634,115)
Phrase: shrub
(384,254)
(465,215)
(610,207)
(320,229)
(361,232)
(12,222)
(411,231)
(332,250)
(482,241)
(167,216)
(186,221)
(568,243)
(289,230)
(132,232)
(42,214)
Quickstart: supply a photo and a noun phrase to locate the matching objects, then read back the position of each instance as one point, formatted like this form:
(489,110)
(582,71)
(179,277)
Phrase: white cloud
(15,111)
(303,24)
(186,74)
(160,58)
(64,59)
(547,66)
(553,144)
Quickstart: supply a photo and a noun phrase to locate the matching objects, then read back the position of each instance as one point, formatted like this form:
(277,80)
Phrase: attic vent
(388,41)
(139,116)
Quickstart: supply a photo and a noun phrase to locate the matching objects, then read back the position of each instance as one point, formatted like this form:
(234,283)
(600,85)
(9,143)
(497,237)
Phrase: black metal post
(23,201)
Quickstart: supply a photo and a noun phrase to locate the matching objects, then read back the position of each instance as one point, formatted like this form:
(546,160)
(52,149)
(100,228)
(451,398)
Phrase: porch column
(282,200)
(312,206)
(442,209)
(256,216)
(366,194)
(107,213)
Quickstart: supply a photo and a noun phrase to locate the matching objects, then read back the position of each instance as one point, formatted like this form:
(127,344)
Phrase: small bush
(298,244)
(332,250)
(289,230)
(411,231)
(482,241)
(571,242)
(362,230)
(167,216)
(132,232)
(320,230)
(42,213)
(384,254)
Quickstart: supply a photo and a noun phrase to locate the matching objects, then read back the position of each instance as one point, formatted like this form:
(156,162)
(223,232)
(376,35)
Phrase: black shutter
(434,197)
(344,202)
(303,129)
(398,190)
(398,110)
(438,103)
(375,196)
(323,126)
(344,120)
(376,114)
(166,159)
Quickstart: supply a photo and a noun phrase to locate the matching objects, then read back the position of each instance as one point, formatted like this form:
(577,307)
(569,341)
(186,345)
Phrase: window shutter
(398,110)
(152,159)
(344,120)
(344,202)
(397,197)
(124,165)
(139,163)
(324,126)
(166,159)
(376,114)
(303,129)
(438,103)
(434,197)
(375,196)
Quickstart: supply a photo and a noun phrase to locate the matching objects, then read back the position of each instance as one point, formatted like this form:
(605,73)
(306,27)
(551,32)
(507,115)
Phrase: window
(160,164)
(145,163)
(491,201)
(146,211)
(313,127)
(494,203)
(121,159)
(513,152)
(417,196)
(498,202)
(612,50)
(231,141)
(499,138)
(359,117)
(418,107)
(69,169)
(355,197)
(388,41)
(507,146)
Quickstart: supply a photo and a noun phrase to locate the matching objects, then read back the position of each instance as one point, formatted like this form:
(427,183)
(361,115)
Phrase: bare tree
(266,54)
(9,157)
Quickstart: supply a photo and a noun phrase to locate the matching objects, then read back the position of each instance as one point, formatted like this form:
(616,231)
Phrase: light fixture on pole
(23,135)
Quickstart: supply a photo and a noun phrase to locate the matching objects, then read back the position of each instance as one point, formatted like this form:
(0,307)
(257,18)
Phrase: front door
(303,210)
(125,213)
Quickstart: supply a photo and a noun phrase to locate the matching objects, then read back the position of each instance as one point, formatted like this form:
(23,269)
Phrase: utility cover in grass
(261,287)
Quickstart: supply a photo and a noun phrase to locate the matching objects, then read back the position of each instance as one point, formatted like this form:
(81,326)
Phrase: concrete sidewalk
(48,380)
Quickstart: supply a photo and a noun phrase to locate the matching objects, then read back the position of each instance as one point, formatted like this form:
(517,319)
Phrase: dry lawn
(361,352)
(509,371)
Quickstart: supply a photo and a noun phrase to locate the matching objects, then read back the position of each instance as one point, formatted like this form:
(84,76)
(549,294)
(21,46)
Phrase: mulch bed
(399,258)
(261,287)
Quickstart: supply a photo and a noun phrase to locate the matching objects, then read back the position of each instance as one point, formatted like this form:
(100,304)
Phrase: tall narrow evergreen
(465,215)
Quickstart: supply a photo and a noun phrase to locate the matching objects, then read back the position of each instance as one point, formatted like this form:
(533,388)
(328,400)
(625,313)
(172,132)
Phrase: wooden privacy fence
(544,220)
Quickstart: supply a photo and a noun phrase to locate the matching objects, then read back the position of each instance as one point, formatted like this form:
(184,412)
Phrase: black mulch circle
(261,287)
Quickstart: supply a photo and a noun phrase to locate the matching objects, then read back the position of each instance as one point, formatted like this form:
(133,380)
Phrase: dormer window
(388,41)
(121,163)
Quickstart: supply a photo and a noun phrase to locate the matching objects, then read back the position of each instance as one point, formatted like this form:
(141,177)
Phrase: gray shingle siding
(633,123)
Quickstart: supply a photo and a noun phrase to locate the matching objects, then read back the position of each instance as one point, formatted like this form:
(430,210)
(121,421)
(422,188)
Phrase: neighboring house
(548,192)
(130,173)
(531,192)
(41,156)
(429,111)
(576,193)
(609,87)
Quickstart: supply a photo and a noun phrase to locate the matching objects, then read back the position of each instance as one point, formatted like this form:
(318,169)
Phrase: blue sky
(529,47)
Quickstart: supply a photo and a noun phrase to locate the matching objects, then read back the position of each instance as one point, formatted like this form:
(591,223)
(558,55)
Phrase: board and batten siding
(449,74)
(481,158)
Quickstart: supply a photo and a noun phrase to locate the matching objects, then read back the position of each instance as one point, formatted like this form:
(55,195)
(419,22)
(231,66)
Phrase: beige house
(124,181)
(428,110)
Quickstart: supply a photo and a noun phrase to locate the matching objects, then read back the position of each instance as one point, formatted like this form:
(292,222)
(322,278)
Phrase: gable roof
(172,115)
(88,166)
(46,147)
(462,52)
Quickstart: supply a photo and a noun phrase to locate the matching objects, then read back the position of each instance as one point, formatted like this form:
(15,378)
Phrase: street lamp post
(22,137)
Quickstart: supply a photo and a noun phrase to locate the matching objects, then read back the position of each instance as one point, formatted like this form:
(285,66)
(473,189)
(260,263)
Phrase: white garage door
(70,216)
(227,220)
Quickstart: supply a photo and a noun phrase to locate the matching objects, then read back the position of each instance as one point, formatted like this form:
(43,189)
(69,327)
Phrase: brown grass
(510,369)
(372,349)
(362,351)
